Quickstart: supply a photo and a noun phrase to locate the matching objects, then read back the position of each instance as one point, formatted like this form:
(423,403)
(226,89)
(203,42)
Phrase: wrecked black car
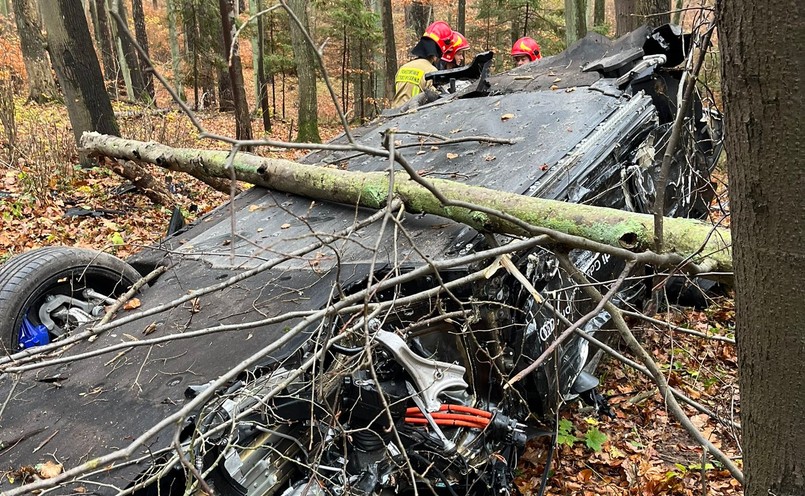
(327,349)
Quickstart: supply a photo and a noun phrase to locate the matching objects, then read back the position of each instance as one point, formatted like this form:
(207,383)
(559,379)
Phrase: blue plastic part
(33,335)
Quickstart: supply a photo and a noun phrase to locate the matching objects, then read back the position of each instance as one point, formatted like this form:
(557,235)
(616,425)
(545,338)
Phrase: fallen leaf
(49,469)
(434,148)
(132,304)
(253,208)
(285,226)
(557,80)
(150,328)
(554,87)
(489,158)
(543,167)
(451,156)
(570,90)
(506,117)
(421,152)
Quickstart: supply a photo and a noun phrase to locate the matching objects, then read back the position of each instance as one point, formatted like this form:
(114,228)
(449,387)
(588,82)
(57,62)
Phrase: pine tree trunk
(176,55)
(575,20)
(243,123)
(103,36)
(390,48)
(77,68)
(255,48)
(631,14)
(371,189)
(41,86)
(261,71)
(417,14)
(307,121)
(142,40)
(764,104)
(599,12)
(128,60)
(461,22)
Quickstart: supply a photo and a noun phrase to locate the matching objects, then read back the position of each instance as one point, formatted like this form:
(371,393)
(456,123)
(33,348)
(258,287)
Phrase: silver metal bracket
(431,377)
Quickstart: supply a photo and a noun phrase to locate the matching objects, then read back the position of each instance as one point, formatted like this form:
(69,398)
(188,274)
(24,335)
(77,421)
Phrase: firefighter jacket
(410,80)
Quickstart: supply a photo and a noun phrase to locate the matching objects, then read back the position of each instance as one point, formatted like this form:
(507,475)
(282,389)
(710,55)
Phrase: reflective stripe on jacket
(410,80)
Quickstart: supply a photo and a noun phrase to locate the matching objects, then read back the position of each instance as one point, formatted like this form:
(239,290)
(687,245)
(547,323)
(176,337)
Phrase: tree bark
(243,123)
(417,15)
(142,39)
(631,14)
(176,55)
(370,189)
(461,21)
(77,68)
(144,181)
(41,86)
(103,36)
(262,84)
(575,20)
(599,12)
(390,48)
(128,60)
(763,97)
(307,117)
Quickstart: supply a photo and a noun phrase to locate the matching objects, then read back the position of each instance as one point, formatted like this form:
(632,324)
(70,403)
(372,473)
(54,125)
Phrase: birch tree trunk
(370,189)
(41,86)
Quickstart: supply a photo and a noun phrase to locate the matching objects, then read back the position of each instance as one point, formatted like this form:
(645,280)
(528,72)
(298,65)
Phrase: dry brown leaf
(506,117)
(49,469)
(150,328)
(557,80)
(252,208)
(132,304)
(285,226)
(451,156)
(554,87)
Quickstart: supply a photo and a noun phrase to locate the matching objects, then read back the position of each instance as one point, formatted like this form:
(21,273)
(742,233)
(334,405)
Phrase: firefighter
(410,80)
(525,50)
(454,56)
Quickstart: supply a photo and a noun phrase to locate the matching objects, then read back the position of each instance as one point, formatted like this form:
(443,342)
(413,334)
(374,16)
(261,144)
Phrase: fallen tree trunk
(687,237)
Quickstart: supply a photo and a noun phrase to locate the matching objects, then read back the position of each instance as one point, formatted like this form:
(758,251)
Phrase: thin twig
(649,363)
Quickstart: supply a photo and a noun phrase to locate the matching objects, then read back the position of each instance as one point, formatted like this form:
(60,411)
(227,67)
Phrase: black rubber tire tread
(25,273)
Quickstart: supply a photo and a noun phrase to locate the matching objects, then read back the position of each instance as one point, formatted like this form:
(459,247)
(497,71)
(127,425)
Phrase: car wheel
(47,292)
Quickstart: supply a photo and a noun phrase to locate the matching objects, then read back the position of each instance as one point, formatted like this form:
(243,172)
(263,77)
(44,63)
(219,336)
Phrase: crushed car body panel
(571,143)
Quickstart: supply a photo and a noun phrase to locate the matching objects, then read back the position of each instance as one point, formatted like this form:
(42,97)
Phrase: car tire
(27,280)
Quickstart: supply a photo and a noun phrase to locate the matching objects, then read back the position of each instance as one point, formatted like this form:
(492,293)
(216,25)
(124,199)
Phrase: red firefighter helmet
(459,43)
(441,33)
(526,46)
